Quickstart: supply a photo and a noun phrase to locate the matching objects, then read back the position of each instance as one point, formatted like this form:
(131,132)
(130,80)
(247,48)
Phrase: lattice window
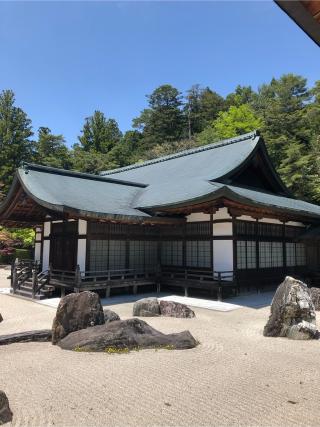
(202,228)
(246,254)
(291,254)
(171,230)
(270,254)
(292,231)
(172,252)
(107,255)
(198,253)
(117,254)
(270,230)
(143,255)
(245,228)
(151,255)
(99,250)
(300,254)
(295,254)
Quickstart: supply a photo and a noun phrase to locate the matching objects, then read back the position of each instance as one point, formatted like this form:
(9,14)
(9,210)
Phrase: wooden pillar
(14,276)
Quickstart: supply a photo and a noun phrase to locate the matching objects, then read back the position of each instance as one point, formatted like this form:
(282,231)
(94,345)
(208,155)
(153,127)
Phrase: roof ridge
(83,175)
(183,153)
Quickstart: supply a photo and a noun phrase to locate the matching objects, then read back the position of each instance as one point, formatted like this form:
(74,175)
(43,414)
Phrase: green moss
(81,349)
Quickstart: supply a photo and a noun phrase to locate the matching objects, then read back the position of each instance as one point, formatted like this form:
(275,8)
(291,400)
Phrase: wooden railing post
(50,271)
(77,278)
(14,275)
(34,280)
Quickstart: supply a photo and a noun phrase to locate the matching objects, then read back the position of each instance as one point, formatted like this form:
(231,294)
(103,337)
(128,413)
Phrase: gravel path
(235,377)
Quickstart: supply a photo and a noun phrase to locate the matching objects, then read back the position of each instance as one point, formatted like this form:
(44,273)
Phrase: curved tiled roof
(135,191)
(88,195)
(207,162)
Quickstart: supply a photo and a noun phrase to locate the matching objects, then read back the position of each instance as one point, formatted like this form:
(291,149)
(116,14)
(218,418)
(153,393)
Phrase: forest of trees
(285,110)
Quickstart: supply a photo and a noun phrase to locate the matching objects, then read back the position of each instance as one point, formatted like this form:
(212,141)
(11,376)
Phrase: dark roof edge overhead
(75,174)
(302,17)
(229,141)
(227,193)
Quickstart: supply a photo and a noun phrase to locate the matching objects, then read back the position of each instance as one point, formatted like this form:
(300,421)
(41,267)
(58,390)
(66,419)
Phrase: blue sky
(65,59)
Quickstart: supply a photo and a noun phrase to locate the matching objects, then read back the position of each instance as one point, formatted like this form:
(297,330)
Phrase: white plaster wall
(246,218)
(198,216)
(82,226)
(221,213)
(296,224)
(38,236)
(46,229)
(222,229)
(81,255)
(45,255)
(271,221)
(223,255)
(37,251)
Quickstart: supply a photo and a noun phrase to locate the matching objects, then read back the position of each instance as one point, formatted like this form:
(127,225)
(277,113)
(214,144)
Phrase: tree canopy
(285,110)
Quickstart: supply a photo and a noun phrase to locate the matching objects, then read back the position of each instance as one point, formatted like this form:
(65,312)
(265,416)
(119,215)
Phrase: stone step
(27,294)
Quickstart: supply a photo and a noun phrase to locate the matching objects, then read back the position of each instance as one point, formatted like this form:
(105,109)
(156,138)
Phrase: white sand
(235,377)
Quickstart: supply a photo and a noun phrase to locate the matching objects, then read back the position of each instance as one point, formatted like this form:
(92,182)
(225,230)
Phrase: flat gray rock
(146,307)
(291,305)
(175,309)
(125,334)
(77,311)
(5,411)
(42,335)
(302,331)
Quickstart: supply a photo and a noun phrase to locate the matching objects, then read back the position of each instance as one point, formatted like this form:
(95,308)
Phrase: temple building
(210,217)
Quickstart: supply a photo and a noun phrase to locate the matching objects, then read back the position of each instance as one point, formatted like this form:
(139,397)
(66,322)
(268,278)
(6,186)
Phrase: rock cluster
(77,311)
(82,325)
(292,312)
(151,307)
(5,411)
(125,335)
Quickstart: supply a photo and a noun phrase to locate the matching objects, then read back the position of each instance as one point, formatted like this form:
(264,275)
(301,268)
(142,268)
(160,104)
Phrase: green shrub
(23,254)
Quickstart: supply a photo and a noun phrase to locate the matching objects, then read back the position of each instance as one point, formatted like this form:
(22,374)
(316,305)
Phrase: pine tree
(163,121)
(51,150)
(99,134)
(15,143)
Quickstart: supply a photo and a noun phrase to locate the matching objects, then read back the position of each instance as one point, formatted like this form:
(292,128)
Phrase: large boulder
(315,296)
(291,305)
(77,311)
(110,316)
(175,309)
(125,335)
(5,411)
(146,307)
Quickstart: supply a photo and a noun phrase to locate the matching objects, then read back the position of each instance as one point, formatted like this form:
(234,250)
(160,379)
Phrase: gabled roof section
(208,162)
(181,174)
(74,193)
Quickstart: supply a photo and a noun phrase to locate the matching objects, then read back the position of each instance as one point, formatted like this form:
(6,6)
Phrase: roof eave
(227,193)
